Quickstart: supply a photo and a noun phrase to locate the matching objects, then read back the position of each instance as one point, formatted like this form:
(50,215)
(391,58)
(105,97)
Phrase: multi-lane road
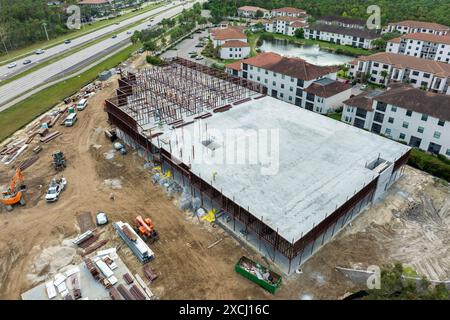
(6,72)
(83,57)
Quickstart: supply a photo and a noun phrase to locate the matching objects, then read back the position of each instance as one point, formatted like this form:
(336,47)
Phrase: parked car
(199,45)
(199,58)
(12,65)
(67,41)
(129,32)
(55,189)
(193,56)
(27,61)
(39,51)
(364,87)
(193,52)
(114,36)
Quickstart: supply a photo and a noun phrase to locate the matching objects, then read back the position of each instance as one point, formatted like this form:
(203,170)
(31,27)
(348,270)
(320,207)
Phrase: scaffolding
(178,90)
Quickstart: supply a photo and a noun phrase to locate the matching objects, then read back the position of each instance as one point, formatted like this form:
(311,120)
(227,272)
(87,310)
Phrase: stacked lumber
(124,292)
(92,269)
(137,294)
(27,163)
(128,279)
(94,247)
(49,137)
(222,109)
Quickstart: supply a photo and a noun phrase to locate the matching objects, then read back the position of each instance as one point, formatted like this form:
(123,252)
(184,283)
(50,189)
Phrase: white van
(82,104)
(70,120)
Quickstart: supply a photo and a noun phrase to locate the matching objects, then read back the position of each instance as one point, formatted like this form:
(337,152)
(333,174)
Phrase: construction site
(118,204)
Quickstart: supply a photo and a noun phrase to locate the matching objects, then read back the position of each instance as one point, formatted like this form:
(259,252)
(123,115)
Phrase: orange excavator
(146,229)
(14,193)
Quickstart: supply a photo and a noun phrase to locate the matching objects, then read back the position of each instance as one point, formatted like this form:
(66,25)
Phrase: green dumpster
(259,274)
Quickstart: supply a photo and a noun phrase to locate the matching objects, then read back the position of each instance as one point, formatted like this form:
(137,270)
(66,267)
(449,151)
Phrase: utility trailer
(258,274)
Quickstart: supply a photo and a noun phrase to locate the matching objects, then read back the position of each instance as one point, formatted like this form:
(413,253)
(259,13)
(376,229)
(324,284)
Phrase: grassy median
(27,110)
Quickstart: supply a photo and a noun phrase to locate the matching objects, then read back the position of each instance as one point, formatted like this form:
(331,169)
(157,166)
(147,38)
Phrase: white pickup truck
(55,188)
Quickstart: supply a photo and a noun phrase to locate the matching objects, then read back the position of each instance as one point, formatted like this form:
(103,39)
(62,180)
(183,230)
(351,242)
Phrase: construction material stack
(146,229)
(140,249)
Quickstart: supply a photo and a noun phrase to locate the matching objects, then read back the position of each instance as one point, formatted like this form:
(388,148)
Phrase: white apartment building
(403,113)
(234,49)
(354,37)
(295,81)
(250,12)
(410,26)
(343,22)
(422,45)
(385,67)
(289,12)
(221,35)
(285,25)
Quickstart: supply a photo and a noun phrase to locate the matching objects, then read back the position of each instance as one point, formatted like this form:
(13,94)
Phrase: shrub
(438,166)
(156,61)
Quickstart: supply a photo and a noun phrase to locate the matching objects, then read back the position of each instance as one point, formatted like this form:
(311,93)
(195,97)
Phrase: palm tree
(384,74)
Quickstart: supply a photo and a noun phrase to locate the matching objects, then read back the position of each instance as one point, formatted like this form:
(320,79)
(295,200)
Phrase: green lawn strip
(26,111)
(74,50)
(95,26)
(335,115)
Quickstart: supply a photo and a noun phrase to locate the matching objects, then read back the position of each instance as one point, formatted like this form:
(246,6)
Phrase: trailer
(258,274)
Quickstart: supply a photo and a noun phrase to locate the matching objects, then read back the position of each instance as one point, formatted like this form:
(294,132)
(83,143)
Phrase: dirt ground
(410,226)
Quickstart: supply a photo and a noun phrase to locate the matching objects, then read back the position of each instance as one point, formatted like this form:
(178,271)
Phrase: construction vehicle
(14,193)
(59,160)
(55,188)
(146,229)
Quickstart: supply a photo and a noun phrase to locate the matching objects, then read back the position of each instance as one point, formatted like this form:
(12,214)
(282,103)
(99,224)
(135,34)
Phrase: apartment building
(295,81)
(285,25)
(355,37)
(250,12)
(422,45)
(343,22)
(231,33)
(410,26)
(386,67)
(234,49)
(289,12)
(403,113)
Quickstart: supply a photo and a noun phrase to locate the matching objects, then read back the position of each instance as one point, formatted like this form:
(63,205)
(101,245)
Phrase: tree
(384,74)
(259,14)
(380,44)
(299,33)
(150,46)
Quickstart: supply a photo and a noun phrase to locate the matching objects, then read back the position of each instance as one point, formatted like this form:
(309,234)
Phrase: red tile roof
(439,69)
(289,10)
(228,33)
(329,90)
(293,67)
(421,25)
(298,24)
(235,44)
(396,40)
(235,66)
(93,2)
(252,8)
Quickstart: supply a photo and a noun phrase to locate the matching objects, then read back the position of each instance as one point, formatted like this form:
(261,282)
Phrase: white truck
(55,188)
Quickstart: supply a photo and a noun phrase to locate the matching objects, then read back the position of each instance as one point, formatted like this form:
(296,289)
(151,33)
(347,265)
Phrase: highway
(6,73)
(79,59)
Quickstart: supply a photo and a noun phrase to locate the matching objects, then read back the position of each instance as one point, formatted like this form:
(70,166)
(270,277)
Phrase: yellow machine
(14,193)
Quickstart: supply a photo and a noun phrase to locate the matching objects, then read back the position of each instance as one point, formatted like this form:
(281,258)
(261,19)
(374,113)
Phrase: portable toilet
(72,109)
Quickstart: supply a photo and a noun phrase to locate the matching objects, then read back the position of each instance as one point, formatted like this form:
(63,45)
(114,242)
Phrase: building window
(448,152)
(387,131)
(420,129)
(267,72)
(361,113)
(274,75)
(405,124)
(274,83)
(441,123)
(424,117)
(408,113)
(402,136)
(379,117)
(391,120)
(290,98)
(415,73)
(282,86)
(281,95)
(291,89)
(394,109)
(381,106)
(437,134)
(265,80)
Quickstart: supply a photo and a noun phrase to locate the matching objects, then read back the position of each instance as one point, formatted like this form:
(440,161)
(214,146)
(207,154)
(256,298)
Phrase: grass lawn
(15,54)
(25,111)
(335,115)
